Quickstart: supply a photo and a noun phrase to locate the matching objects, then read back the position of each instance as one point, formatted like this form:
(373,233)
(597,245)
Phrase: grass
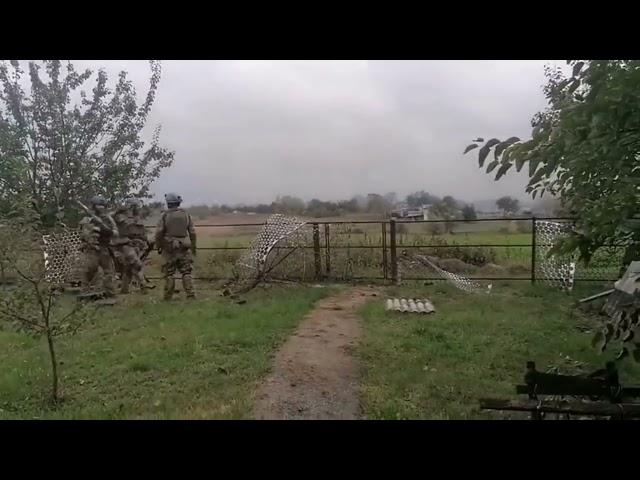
(475,346)
(145,359)
(365,262)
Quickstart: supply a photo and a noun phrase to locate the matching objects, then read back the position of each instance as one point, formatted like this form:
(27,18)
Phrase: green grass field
(475,346)
(148,359)
(145,359)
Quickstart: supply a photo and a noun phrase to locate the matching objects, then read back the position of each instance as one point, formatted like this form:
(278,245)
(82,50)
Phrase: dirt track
(315,375)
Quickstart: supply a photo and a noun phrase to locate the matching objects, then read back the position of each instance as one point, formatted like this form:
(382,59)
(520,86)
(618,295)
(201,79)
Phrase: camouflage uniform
(96,241)
(176,238)
(131,244)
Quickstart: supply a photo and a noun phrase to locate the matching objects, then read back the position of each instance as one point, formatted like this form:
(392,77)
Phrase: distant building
(406,212)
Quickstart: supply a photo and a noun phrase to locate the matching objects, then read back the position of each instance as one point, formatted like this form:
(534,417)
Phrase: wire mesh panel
(414,262)
(603,265)
(277,240)
(277,228)
(556,270)
(62,256)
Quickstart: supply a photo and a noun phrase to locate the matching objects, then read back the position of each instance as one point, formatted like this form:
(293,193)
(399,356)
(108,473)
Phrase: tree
(446,209)
(201,212)
(33,304)
(508,205)
(585,147)
(417,199)
(349,206)
(469,212)
(60,143)
(289,204)
(318,208)
(377,204)
(391,198)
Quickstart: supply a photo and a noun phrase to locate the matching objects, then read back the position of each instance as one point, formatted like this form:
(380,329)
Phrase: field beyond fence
(484,249)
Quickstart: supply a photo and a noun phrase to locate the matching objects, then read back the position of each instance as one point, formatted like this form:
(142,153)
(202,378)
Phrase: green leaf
(608,331)
(576,68)
(503,145)
(502,170)
(482,154)
(622,354)
(470,147)
(479,139)
(533,164)
(492,166)
(598,340)
(536,131)
(492,142)
(574,85)
(537,177)
(520,163)
(627,336)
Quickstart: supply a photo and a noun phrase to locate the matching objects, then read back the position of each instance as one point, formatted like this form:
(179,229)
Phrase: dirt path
(315,375)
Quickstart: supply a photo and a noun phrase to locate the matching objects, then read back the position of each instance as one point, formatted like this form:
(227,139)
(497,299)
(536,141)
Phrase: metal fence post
(327,245)
(385,273)
(533,249)
(316,251)
(392,246)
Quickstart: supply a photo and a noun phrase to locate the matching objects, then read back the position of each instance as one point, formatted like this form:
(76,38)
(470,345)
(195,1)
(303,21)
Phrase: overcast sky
(247,131)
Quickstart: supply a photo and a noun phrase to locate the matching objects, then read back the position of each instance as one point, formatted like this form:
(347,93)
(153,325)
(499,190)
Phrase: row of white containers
(410,305)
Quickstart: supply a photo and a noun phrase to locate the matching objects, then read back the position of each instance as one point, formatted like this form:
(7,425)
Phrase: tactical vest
(133,227)
(136,228)
(176,223)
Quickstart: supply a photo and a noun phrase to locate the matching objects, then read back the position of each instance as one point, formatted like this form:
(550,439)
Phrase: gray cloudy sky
(246,131)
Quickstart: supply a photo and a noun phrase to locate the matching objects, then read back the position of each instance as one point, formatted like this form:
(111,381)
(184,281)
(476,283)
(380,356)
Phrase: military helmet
(172,198)
(98,200)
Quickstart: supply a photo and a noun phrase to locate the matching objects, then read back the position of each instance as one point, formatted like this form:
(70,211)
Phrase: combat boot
(187,284)
(169,287)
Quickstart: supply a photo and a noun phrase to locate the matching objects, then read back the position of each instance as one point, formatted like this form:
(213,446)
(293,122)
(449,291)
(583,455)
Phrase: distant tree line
(446,208)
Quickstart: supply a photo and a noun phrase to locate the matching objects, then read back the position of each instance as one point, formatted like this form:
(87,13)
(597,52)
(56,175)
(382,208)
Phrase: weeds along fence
(483,249)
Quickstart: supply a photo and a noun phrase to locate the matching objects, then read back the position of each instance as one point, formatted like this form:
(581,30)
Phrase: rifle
(150,245)
(104,225)
(96,218)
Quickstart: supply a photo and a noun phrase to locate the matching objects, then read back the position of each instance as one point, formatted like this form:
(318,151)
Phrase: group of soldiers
(119,243)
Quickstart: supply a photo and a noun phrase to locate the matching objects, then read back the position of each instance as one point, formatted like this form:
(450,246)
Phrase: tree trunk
(54,367)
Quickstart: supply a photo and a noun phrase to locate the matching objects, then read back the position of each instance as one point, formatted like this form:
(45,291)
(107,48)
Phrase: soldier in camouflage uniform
(176,240)
(96,232)
(131,243)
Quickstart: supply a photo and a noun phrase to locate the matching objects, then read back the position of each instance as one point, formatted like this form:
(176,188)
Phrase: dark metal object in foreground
(601,387)
(603,409)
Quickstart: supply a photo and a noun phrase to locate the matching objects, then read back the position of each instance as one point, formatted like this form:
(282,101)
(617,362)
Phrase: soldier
(96,231)
(176,240)
(132,244)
